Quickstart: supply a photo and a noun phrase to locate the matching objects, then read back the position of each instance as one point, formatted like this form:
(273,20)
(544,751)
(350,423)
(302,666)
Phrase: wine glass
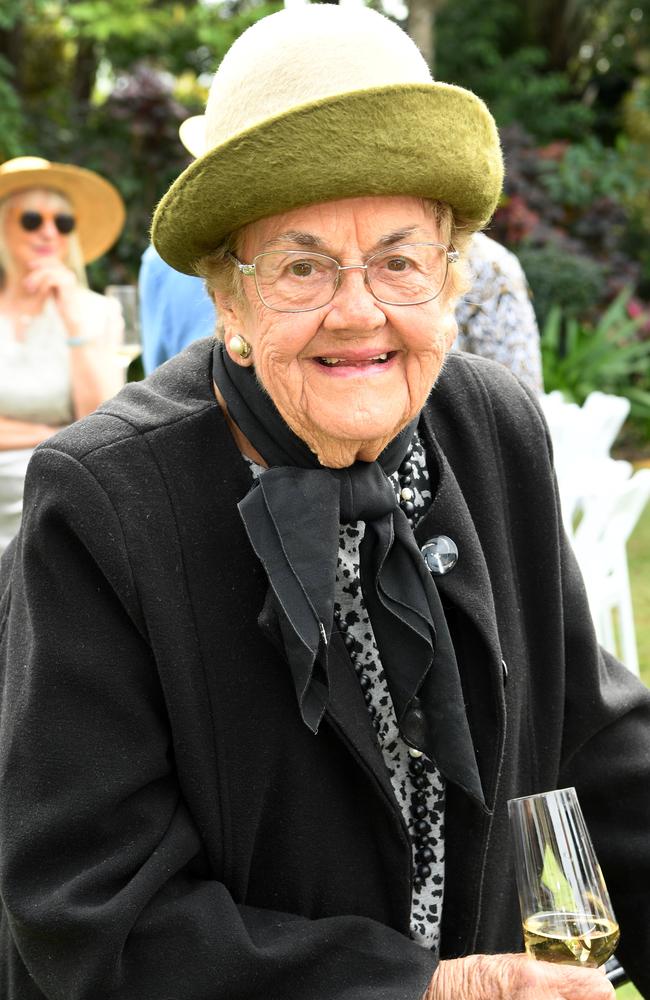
(130,346)
(565,907)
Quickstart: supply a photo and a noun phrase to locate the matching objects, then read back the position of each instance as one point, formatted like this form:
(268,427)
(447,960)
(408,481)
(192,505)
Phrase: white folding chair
(600,546)
(566,429)
(582,437)
(604,415)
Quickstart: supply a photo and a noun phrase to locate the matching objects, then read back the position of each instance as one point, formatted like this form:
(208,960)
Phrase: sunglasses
(31,221)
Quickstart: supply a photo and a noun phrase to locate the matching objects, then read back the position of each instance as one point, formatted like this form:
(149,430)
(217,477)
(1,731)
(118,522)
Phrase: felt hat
(98,207)
(192,134)
(321,102)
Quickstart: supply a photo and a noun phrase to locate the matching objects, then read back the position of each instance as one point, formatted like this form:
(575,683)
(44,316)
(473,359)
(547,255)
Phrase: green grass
(627,992)
(638,551)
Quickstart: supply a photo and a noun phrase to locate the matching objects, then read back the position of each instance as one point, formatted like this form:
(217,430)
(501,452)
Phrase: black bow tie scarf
(292,516)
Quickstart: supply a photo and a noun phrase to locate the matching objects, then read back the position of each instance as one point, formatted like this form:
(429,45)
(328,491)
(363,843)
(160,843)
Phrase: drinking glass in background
(130,347)
(565,907)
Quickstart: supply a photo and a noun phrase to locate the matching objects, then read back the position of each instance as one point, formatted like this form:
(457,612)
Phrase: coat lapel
(467,585)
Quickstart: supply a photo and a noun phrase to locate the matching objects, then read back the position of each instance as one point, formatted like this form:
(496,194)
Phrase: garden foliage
(105,83)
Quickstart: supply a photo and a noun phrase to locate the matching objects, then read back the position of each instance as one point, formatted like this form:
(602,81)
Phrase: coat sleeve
(102,873)
(606,756)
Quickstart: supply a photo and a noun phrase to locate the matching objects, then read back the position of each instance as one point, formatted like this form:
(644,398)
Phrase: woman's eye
(397,264)
(302,268)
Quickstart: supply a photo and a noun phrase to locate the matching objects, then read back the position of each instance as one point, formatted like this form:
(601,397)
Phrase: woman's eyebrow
(297,236)
(310,241)
(397,236)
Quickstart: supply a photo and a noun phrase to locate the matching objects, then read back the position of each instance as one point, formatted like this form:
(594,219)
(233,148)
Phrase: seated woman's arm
(22,433)
(94,327)
(94,334)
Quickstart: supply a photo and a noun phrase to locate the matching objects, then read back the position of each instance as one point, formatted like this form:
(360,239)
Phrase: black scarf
(292,515)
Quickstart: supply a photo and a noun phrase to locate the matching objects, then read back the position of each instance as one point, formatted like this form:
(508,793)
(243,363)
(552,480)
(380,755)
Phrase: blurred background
(105,84)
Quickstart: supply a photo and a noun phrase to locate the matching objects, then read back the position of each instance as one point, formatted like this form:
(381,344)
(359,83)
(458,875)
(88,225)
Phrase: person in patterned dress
(495,316)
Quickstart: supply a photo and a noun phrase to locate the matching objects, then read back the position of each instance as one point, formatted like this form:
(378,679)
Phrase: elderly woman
(284,628)
(56,336)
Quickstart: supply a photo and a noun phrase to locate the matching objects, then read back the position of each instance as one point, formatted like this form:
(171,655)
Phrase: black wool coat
(170,829)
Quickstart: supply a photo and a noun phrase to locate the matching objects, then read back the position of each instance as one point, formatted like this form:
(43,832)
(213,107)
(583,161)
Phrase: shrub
(571,282)
(577,202)
(608,356)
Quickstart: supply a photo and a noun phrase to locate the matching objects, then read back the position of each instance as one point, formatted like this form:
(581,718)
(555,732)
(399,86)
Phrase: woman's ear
(451,332)
(232,321)
(226,310)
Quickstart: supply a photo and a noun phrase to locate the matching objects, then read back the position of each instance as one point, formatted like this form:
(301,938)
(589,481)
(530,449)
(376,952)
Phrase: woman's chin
(339,443)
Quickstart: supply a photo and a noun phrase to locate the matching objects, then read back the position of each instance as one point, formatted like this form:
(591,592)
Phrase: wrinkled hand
(515,977)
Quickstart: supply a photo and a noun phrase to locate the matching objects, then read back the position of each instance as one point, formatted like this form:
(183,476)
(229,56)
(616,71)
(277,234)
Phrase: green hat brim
(432,140)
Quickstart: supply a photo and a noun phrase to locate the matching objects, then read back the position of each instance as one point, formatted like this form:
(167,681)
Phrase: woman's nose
(48,229)
(354,307)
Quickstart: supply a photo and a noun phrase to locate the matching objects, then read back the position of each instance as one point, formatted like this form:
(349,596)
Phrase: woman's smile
(348,376)
(356,364)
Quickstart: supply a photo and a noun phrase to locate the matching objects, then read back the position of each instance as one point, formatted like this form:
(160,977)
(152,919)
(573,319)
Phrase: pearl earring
(240,346)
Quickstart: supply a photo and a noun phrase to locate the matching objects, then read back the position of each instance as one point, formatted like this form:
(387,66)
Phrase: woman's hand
(515,977)
(52,277)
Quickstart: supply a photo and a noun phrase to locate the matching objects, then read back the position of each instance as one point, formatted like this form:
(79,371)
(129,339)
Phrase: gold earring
(240,347)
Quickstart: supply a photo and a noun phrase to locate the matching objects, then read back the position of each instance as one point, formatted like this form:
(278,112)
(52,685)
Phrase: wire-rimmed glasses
(299,281)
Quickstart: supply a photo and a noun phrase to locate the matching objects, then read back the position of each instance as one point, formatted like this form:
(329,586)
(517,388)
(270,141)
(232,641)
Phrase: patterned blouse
(412,793)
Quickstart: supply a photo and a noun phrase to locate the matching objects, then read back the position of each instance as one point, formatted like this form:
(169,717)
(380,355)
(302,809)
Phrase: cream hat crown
(320,58)
(322,102)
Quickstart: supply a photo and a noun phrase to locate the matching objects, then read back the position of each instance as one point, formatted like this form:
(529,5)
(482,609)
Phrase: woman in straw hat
(56,336)
(285,628)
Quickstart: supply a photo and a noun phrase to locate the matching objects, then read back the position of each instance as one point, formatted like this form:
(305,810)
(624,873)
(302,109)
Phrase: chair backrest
(603,416)
(582,437)
(610,518)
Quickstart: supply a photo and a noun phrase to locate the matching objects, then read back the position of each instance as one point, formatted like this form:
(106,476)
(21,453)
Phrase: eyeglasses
(295,281)
(31,221)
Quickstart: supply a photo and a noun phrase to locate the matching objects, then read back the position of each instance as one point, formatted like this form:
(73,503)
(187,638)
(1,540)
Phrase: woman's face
(387,357)
(43,243)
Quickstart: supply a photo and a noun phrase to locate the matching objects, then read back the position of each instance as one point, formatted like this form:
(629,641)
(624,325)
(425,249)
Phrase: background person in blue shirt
(174,310)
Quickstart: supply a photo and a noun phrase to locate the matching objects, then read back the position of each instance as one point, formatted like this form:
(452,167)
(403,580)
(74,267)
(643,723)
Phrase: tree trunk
(421,26)
(11,49)
(85,70)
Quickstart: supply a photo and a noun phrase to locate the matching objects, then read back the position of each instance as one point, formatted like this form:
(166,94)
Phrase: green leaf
(555,881)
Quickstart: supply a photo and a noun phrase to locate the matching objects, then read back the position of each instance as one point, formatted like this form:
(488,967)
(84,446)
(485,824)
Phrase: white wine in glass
(565,907)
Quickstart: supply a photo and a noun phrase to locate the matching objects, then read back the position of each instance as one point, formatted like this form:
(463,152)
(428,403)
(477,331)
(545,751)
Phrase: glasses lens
(64,223)
(31,221)
(408,274)
(292,281)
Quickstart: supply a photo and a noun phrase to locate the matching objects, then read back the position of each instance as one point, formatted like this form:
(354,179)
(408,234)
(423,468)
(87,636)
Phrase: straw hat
(321,102)
(98,207)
